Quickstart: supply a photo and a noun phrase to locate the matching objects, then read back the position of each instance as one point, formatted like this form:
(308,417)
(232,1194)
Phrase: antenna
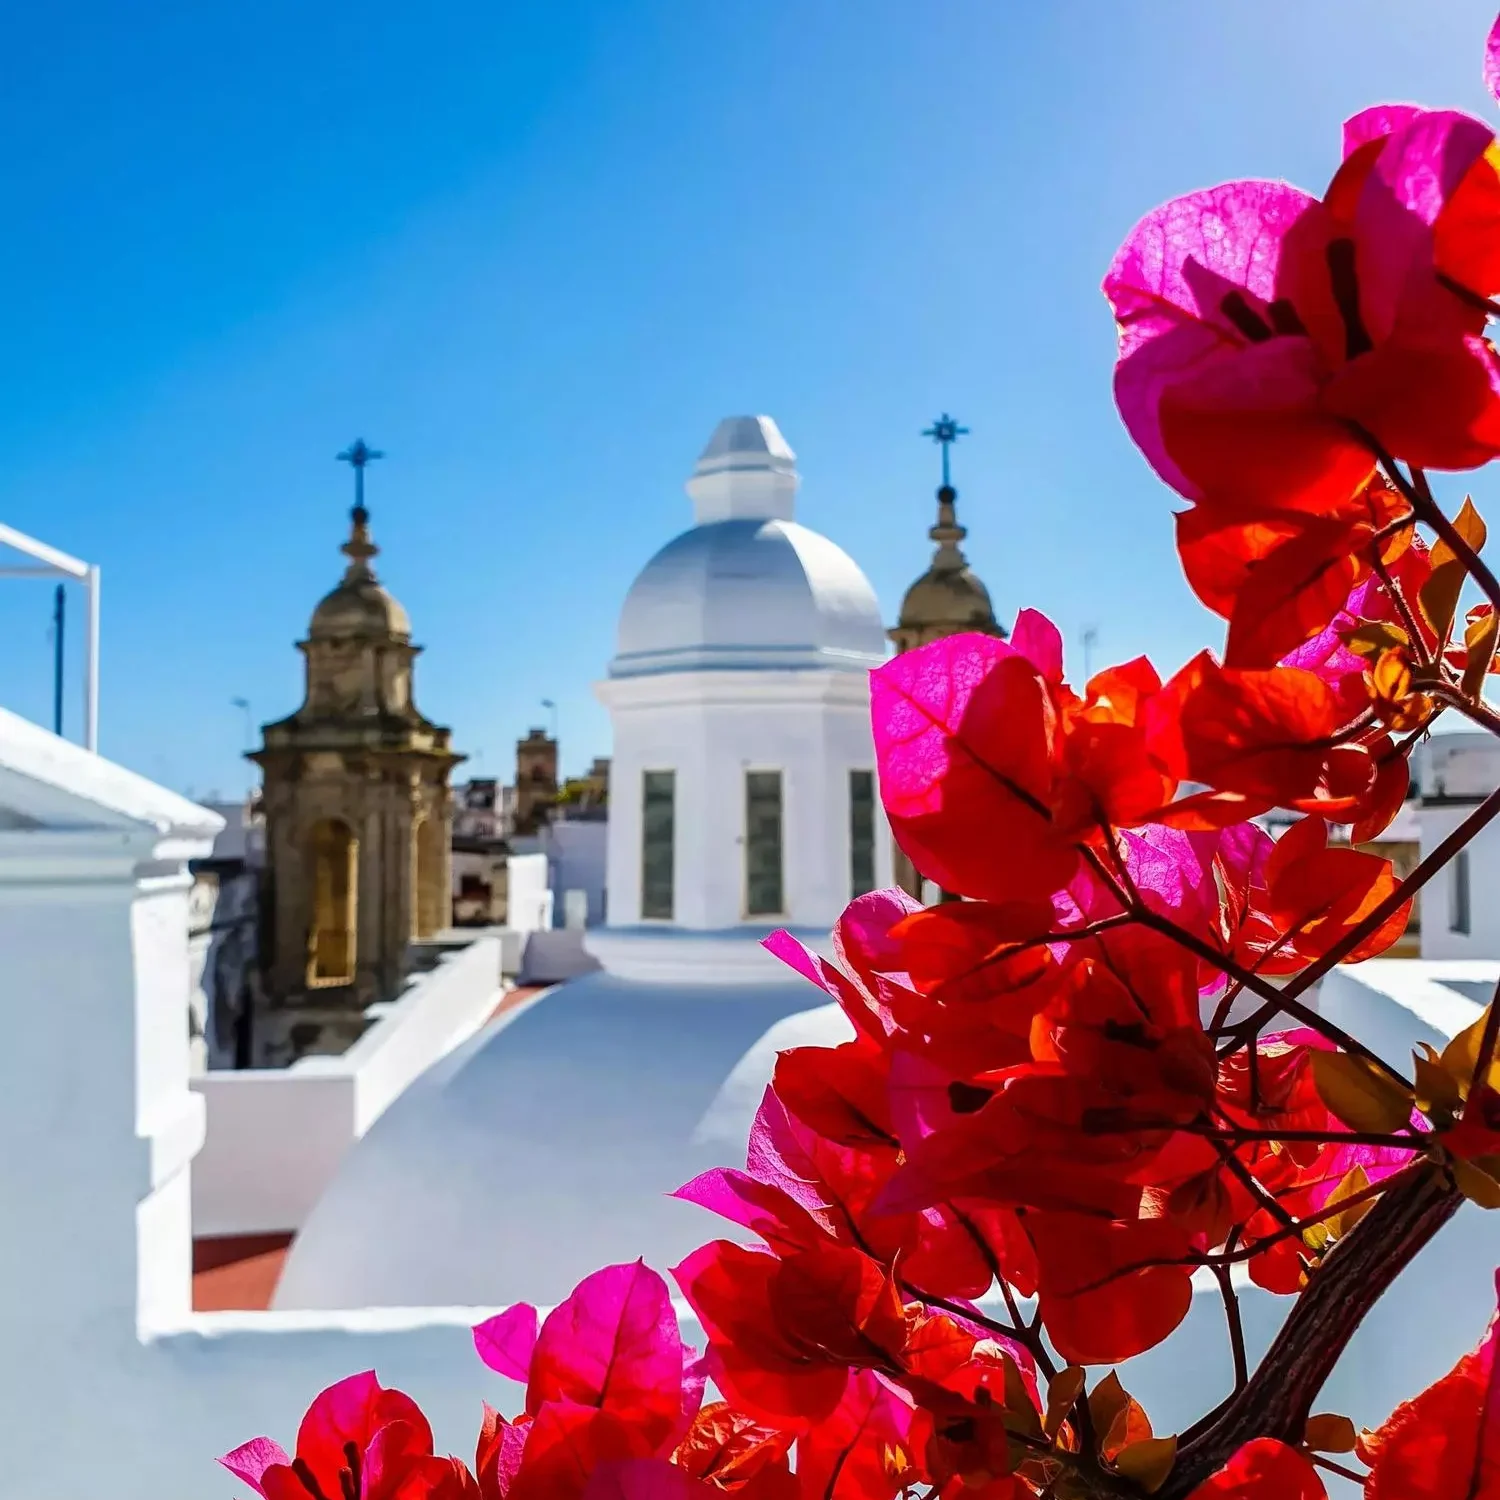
(1090,640)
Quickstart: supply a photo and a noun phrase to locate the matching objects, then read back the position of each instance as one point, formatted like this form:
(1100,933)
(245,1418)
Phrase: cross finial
(357,455)
(359,549)
(945,431)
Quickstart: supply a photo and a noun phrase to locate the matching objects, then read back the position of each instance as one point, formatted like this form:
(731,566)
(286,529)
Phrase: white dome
(747,587)
(548,1145)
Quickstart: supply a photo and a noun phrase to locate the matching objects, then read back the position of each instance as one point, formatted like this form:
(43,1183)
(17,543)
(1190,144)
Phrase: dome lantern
(745,472)
(742,782)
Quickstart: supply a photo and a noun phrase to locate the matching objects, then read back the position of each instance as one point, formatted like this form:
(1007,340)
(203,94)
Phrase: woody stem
(1356,1274)
(1476,709)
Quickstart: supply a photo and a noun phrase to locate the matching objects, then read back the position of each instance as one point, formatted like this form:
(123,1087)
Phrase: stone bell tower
(948,599)
(359,816)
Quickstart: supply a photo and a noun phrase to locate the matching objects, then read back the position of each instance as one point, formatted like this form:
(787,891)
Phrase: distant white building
(1454,773)
(741,799)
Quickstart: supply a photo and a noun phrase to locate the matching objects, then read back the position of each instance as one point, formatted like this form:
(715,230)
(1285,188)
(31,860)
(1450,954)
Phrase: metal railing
(50,563)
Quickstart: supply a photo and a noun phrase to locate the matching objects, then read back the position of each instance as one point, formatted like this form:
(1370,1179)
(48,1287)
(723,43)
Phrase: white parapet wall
(529,898)
(275,1137)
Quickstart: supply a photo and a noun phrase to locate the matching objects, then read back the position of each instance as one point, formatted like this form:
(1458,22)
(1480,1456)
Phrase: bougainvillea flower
(979,749)
(868,959)
(615,1344)
(840,1092)
(1216,400)
(607,1377)
(1265,1470)
(1267,737)
(565,1446)
(964,736)
(1109,1291)
(801,1190)
(1262,328)
(498,1453)
(1105,775)
(506,1341)
(1445,1442)
(863,1449)
(649,1479)
(1282,578)
(1318,894)
(753,1360)
(357,1438)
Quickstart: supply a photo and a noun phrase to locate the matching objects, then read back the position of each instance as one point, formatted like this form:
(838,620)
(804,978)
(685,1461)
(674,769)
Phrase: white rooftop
(548,1145)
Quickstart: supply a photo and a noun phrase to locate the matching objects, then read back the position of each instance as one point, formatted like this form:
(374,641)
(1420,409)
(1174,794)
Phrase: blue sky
(535,252)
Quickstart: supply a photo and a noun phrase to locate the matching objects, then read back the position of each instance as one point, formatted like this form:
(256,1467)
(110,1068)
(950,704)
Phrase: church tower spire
(948,598)
(359,814)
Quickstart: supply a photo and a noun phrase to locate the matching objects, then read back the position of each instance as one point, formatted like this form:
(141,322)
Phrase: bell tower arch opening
(333,943)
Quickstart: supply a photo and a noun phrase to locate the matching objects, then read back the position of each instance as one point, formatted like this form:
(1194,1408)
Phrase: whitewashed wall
(576,851)
(711,728)
(1439,896)
(275,1137)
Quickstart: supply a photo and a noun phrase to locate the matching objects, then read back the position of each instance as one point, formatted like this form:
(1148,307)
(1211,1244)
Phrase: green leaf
(1475,1183)
(1148,1462)
(1360,1095)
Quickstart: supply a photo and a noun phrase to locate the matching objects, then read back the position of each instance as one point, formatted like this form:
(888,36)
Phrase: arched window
(335,890)
(430,898)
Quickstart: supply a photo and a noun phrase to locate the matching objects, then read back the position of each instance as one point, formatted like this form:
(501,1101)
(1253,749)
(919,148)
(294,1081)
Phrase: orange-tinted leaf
(730,1446)
(1330,1230)
(1477,1184)
(1461,1056)
(1479,645)
(1108,1403)
(1330,1433)
(1440,594)
(1371,638)
(1437,1089)
(1062,1392)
